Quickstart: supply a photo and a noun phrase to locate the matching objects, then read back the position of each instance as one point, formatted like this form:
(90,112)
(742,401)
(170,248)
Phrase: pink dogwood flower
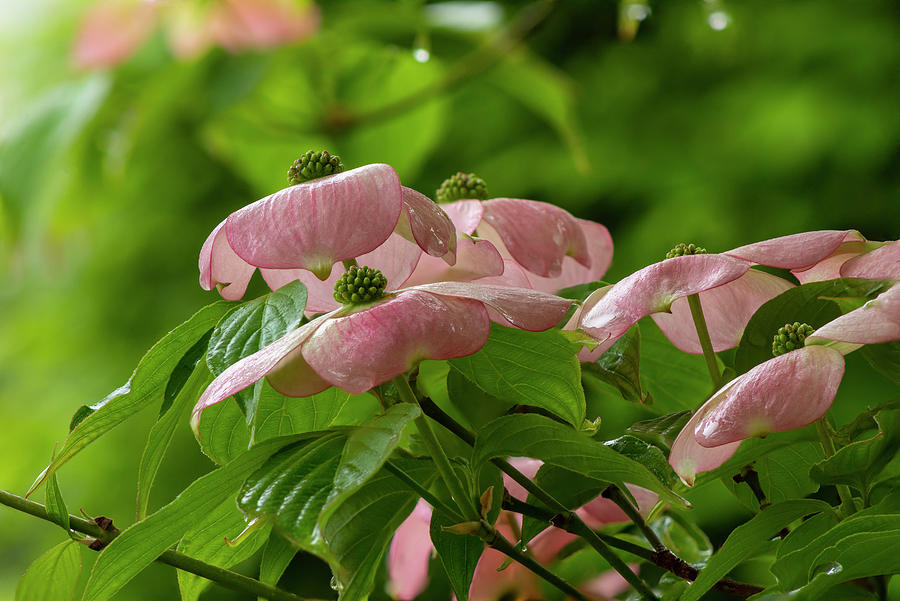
(357,347)
(728,300)
(113,30)
(313,225)
(786,392)
(411,548)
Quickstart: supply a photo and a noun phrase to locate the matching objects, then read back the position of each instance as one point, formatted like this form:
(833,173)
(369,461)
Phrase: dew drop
(718,20)
(638,12)
(421,55)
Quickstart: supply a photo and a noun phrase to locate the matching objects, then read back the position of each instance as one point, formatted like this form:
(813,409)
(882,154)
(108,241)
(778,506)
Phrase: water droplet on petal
(718,20)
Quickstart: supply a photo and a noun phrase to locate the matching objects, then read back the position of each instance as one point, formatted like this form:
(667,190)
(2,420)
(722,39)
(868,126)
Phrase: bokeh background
(719,123)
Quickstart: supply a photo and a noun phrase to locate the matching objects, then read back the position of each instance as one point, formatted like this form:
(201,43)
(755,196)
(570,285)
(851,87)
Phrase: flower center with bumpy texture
(683,249)
(359,285)
(790,337)
(462,186)
(313,165)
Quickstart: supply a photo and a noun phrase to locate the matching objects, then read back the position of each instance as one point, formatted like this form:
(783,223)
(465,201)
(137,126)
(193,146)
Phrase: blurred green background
(719,123)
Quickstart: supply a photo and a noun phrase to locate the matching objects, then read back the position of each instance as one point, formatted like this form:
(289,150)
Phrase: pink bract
(875,322)
(554,248)
(783,393)
(312,226)
(409,554)
(796,251)
(112,31)
(356,348)
(608,313)
(881,263)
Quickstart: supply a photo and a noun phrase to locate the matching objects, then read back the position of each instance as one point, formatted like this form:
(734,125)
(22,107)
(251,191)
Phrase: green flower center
(359,285)
(683,249)
(460,186)
(313,165)
(790,337)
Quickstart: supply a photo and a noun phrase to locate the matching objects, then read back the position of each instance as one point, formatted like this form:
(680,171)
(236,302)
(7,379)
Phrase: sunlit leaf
(53,575)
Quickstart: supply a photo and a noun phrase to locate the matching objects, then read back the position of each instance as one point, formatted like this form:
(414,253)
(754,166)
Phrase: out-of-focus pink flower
(113,30)
(608,313)
(358,347)
(556,249)
(786,392)
(411,548)
(313,225)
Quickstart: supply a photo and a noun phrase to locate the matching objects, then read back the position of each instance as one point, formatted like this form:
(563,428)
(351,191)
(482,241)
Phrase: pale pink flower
(411,548)
(556,249)
(113,30)
(786,392)
(313,225)
(608,313)
(881,263)
(728,302)
(358,347)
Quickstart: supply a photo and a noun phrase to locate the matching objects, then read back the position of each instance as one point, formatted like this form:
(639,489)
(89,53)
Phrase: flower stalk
(712,363)
(445,469)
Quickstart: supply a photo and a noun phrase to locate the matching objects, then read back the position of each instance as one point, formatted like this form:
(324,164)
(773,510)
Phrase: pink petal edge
(881,263)
(409,553)
(221,267)
(796,251)
(424,223)
(875,322)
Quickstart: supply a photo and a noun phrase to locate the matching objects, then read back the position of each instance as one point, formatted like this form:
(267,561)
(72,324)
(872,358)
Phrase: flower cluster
(394,278)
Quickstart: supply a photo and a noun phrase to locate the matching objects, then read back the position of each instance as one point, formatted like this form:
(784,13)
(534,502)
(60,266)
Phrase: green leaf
(646,454)
(252,326)
(162,432)
(660,430)
(748,539)
(357,532)
(676,381)
(182,372)
(206,541)
(807,304)
(137,546)
(146,386)
(683,538)
(459,554)
(859,555)
(569,488)
(783,473)
(884,358)
(796,568)
(277,414)
(536,436)
(530,368)
(620,367)
(56,505)
(316,474)
(477,406)
(276,557)
(223,433)
(580,292)
(54,575)
(801,536)
(859,462)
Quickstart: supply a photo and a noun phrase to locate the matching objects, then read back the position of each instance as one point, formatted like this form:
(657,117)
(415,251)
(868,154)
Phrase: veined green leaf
(53,575)
(316,474)
(162,432)
(147,385)
(748,539)
(206,541)
(251,326)
(138,545)
(223,432)
(531,368)
(554,443)
(276,557)
(620,367)
(675,380)
(459,554)
(56,505)
(356,534)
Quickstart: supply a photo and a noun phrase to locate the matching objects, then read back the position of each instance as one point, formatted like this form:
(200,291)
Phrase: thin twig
(225,578)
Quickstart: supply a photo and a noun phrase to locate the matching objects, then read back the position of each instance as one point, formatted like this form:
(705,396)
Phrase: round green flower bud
(790,337)
(460,186)
(313,165)
(359,285)
(683,249)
